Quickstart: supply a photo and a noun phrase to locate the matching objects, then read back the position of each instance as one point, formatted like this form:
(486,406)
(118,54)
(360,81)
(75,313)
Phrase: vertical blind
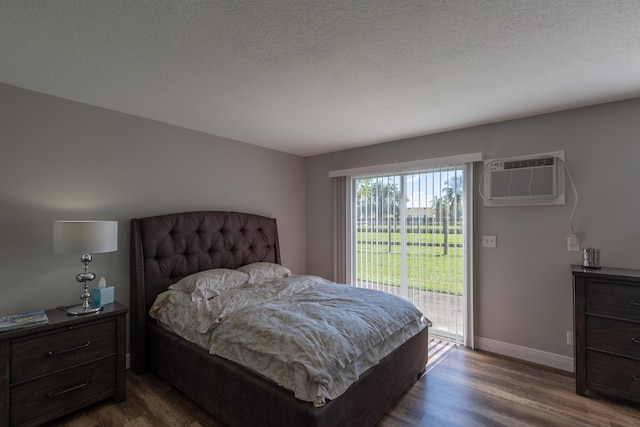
(408,240)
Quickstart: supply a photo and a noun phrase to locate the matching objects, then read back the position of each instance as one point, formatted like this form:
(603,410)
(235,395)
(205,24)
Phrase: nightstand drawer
(615,336)
(60,349)
(68,390)
(613,300)
(613,372)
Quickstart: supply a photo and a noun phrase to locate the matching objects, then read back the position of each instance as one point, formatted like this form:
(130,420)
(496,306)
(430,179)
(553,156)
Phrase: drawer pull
(635,340)
(636,303)
(635,377)
(79,347)
(79,386)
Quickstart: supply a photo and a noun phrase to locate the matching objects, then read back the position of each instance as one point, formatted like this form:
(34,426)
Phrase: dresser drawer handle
(79,386)
(635,340)
(636,303)
(56,353)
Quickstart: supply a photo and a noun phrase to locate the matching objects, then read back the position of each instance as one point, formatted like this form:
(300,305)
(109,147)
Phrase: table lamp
(83,238)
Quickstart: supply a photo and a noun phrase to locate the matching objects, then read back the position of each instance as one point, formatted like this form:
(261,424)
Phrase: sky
(421,188)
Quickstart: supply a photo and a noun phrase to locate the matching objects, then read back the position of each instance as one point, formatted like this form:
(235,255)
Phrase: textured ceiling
(314,76)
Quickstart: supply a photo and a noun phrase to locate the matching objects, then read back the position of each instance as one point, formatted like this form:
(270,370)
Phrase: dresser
(607,332)
(51,370)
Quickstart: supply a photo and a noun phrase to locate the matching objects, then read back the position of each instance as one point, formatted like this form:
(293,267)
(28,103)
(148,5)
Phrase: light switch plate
(489,241)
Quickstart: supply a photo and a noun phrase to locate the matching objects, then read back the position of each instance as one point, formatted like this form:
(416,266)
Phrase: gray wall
(523,293)
(66,160)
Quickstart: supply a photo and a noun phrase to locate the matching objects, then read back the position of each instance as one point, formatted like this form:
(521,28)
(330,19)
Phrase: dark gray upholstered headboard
(166,248)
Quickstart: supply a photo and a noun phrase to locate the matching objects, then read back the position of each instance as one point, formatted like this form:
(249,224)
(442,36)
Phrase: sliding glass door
(410,238)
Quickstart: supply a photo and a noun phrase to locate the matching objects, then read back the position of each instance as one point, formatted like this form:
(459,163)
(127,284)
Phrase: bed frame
(168,247)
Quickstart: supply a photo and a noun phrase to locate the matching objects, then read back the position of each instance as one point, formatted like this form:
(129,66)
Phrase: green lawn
(383,237)
(428,267)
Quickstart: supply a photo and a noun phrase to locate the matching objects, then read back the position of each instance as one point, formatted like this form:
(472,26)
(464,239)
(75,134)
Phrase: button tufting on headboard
(176,245)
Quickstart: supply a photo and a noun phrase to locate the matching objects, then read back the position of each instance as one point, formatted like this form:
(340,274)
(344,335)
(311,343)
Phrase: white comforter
(307,334)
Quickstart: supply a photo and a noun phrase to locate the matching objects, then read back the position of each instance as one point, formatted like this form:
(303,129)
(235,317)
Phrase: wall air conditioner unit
(525,180)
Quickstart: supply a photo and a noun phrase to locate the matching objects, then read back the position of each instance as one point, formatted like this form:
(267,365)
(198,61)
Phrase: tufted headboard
(166,248)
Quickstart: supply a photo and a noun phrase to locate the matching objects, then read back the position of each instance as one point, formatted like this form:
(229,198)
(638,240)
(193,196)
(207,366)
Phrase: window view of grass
(411,222)
(428,266)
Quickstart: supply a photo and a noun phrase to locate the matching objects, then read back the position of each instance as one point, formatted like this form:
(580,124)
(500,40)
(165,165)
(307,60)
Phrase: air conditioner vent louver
(525,180)
(531,163)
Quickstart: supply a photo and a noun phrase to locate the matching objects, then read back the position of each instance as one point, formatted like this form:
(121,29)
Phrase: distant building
(420,212)
(419,215)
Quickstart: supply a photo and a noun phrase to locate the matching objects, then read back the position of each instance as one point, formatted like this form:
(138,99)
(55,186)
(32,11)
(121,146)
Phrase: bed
(168,248)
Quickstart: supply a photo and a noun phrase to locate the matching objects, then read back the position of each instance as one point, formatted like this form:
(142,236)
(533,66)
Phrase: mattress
(305,333)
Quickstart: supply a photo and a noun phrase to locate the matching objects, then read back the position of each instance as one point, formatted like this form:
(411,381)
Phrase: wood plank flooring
(472,388)
(464,388)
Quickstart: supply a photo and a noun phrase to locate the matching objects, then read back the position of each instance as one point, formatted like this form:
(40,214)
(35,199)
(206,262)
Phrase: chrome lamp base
(81,309)
(83,278)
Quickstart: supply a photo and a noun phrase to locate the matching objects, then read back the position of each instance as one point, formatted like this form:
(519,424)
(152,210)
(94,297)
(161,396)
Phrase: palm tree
(453,195)
(449,206)
(438,203)
(440,209)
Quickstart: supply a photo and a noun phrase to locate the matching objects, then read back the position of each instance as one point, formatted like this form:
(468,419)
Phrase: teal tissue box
(101,296)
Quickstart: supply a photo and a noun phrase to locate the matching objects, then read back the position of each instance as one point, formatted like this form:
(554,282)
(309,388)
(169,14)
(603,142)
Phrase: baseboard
(540,357)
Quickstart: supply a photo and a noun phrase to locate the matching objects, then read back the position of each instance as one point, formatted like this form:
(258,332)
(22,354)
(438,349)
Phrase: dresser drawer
(615,336)
(613,300)
(60,349)
(613,372)
(63,392)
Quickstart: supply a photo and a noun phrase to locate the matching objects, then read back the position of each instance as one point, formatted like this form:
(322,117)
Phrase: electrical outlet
(569,337)
(489,241)
(573,243)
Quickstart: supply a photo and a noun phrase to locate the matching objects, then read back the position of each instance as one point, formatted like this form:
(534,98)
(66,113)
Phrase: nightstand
(50,370)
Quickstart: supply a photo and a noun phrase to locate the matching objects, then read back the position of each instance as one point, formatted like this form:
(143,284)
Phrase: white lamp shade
(83,237)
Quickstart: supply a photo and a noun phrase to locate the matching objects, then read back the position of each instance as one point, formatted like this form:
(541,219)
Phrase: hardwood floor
(465,388)
(472,388)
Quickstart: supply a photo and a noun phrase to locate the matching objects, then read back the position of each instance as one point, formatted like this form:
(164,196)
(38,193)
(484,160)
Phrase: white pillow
(210,283)
(264,271)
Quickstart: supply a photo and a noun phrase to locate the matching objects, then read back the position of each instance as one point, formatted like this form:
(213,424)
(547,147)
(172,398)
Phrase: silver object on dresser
(591,258)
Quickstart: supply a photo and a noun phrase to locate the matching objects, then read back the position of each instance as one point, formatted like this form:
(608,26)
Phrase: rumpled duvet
(307,334)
